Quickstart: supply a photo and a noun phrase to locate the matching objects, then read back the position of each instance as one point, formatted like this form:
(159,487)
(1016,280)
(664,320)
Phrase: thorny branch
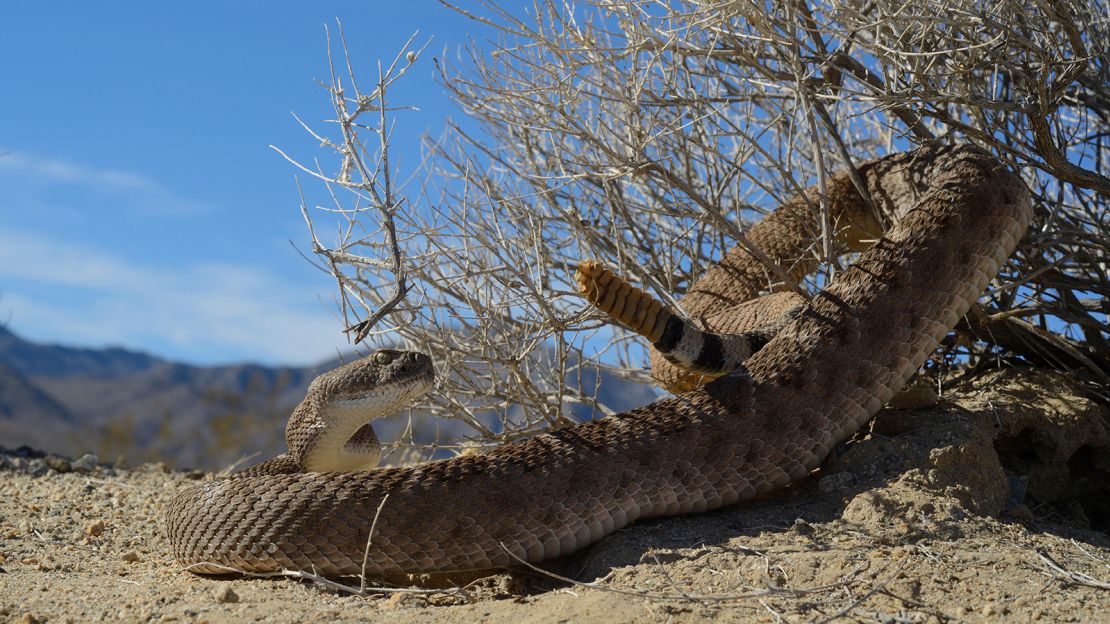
(368,185)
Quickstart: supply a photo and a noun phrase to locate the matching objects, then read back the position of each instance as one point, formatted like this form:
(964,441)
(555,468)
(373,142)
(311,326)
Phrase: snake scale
(957,215)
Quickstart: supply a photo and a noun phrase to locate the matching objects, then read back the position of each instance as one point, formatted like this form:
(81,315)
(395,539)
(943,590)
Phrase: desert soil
(990,506)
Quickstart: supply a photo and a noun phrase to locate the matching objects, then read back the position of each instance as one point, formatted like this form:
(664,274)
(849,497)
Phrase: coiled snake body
(958,215)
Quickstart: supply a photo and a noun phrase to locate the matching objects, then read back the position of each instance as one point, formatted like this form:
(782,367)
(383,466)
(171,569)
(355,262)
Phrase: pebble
(396,601)
(226,594)
(59,464)
(86,463)
(801,527)
(95,528)
(37,468)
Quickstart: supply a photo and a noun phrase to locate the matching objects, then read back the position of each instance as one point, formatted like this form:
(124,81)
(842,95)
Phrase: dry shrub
(652,134)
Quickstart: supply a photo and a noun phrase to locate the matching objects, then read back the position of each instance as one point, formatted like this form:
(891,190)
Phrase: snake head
(386,373)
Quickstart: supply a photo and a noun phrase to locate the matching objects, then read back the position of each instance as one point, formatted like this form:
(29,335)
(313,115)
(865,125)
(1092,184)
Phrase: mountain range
(116,402)
(125,404)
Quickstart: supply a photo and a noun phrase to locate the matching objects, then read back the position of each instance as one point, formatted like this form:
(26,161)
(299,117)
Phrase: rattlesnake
(958,215)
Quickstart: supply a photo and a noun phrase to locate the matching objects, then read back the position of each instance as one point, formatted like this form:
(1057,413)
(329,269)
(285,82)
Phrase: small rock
(130,556)
(226,594)
(86,463)
(95,528)
(60,464)
(37,468)
(801,527)
(396,601)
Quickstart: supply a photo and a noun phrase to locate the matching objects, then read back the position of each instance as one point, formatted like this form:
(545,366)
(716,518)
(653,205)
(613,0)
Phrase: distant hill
(34,359)
(27,413)
(118,402)
(115,402)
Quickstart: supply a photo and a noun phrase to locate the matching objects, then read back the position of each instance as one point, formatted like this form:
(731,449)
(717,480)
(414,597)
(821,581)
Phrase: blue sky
(140,204)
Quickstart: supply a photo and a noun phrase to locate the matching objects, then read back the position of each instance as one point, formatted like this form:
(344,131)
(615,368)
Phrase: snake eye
(381,357)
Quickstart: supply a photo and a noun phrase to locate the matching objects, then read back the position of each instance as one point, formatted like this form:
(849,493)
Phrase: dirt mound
(991,504)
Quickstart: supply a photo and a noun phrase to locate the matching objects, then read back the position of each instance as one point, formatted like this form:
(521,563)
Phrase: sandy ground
(990,506)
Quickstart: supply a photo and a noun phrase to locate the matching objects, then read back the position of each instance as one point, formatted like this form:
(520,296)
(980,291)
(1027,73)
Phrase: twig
(370,536)
(1074,577)
(881,587)
(326,582)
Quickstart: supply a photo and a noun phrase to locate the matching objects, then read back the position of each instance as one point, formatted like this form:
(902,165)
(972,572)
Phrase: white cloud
(65,171)
(141,192)
(203,312)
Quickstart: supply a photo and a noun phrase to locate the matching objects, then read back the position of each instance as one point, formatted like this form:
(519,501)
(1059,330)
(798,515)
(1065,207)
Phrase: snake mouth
(421,383)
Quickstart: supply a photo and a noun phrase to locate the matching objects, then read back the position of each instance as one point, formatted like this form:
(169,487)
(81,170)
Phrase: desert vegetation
(650,135)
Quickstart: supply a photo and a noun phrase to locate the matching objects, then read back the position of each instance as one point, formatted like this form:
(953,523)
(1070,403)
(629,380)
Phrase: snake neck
(320,436)
(328,433)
